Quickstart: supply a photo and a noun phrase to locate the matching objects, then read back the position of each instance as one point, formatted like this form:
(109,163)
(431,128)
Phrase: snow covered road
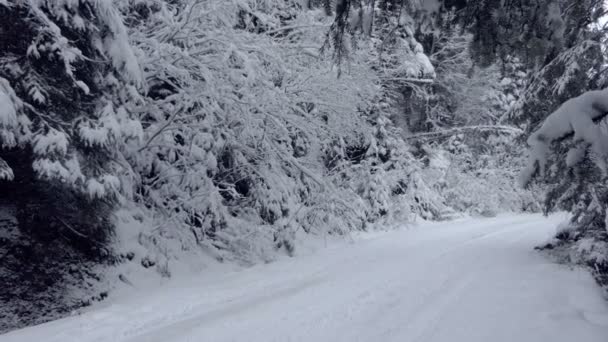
(469,280)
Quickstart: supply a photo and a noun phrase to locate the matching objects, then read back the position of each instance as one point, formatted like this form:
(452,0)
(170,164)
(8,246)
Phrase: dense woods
(136,134)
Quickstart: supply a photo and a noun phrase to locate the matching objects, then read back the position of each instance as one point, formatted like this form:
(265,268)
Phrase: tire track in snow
(433,319)
(420,320)
(240,305)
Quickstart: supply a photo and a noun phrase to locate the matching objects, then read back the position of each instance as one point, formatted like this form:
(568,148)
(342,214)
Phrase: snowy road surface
(470,280)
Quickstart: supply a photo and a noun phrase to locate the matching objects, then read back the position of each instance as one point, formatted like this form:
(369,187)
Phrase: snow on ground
(468,280)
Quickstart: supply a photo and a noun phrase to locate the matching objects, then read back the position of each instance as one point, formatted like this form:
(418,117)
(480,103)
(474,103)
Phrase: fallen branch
(409,80)
(457,130)
(293,27)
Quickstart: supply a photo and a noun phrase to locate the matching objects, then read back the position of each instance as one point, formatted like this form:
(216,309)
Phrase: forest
(142,139)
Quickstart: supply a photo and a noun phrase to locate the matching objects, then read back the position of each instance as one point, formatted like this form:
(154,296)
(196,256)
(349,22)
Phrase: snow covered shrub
(238,107)
(249,136)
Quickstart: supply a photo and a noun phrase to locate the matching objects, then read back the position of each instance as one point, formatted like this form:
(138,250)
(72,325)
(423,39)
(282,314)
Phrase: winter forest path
(469,280)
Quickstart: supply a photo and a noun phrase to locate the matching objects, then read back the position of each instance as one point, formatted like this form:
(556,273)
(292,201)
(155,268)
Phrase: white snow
(68,171)
(95,189)
(53,141)
(8,114)
(573,116)
(468,280)
(117,44)
(6,173)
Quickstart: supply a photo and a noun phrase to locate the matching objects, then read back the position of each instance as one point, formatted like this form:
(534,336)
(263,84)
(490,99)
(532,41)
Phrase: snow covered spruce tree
(66,69)
(570,152)
(562,112)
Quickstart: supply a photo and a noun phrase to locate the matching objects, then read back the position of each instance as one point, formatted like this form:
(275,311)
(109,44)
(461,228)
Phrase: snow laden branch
(458,130)
(409,80)
(578,118)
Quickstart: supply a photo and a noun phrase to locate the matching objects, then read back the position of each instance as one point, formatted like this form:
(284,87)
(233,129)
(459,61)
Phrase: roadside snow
(468,280)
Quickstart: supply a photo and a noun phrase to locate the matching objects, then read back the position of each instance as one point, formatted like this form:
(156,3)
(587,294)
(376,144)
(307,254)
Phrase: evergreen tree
(66,73)
(569,152)
(66,69)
